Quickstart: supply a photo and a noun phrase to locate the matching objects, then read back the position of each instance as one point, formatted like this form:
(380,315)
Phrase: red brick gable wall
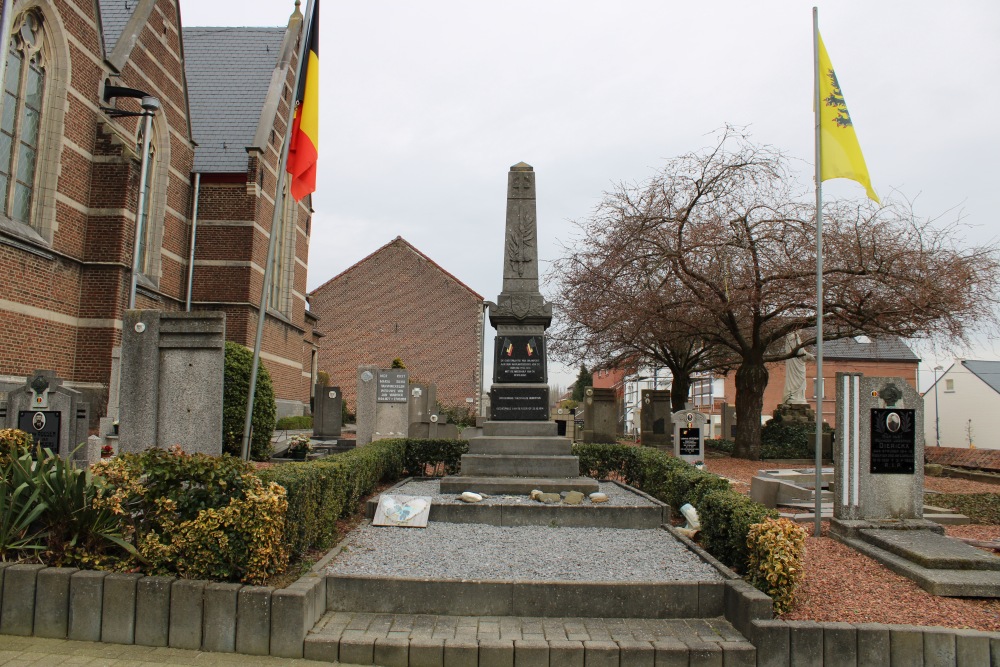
(396,303)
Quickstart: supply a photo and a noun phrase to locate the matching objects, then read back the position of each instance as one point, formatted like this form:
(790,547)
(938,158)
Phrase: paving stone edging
(111,607)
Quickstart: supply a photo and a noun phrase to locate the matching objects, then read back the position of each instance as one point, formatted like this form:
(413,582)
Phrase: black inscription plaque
(43,425)
(893,441)
(519,359)
(690,439)
(392,387)
(509,404)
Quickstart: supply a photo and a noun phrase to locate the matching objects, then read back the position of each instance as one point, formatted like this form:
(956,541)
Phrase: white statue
(795,372)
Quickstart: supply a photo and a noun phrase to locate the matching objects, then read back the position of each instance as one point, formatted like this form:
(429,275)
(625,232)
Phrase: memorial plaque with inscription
(392,387)
(519,404)
(690,442)
(893,441)
(42,425)
(519,359)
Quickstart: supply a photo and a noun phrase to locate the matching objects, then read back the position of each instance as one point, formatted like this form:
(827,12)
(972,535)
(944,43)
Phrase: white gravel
(526,553)
(431,487)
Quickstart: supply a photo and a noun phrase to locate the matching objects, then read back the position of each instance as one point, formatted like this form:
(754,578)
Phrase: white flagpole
(819,389)
(278,206)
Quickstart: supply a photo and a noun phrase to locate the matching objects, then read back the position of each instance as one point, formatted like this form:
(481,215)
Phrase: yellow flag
(839,147)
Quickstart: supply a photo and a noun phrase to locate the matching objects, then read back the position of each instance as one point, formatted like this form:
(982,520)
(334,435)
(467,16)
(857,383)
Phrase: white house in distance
(963,406)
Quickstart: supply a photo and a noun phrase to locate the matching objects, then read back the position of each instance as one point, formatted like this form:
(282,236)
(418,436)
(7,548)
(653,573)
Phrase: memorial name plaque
(519,359)
(392,387)
(893,441)
(42,425)
(690,440)
(519,404)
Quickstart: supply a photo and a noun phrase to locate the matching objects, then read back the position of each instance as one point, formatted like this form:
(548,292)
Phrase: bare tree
(718,249)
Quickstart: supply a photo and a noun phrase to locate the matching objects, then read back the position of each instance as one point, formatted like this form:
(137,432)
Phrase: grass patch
(981,508)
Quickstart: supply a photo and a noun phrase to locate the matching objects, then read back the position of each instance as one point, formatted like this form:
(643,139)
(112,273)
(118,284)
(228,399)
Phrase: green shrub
(296,423)
(433,457)
(235,391)
(781,439)
(726,517)
(775,560)
(197,515)
(722,445)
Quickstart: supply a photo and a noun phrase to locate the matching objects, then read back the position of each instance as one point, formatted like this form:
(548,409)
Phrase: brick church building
(70,180)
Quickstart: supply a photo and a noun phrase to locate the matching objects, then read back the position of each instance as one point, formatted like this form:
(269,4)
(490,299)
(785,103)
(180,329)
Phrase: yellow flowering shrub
(775,548)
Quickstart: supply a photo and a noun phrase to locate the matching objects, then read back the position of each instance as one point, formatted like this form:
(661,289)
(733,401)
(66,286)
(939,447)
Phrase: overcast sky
(426,105)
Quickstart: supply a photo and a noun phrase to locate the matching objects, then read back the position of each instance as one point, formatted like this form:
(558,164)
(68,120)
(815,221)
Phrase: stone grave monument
(728,421)
(170,392)
(689,434)
(383,404)
(878,490)
(519,450)
(425,421)
(655,418)
(53,414)
(600,415)
(328,412)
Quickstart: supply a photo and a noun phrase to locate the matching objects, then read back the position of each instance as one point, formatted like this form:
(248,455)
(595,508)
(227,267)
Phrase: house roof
(890,348)
(228,74)
(987,371)
(115,15)
(399,241)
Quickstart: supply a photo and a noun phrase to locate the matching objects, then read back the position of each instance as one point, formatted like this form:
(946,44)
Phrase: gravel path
(525,553)
(432,487)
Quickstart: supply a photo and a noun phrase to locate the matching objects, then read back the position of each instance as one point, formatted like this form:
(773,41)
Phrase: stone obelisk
(519,449)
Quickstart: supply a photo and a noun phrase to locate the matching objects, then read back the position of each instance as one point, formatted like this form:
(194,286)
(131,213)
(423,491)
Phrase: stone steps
(400,640)
(501,485)
(522,445)
(497,465)
(521,429)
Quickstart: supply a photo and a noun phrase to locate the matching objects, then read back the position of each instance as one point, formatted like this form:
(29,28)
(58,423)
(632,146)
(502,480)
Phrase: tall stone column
(520,449)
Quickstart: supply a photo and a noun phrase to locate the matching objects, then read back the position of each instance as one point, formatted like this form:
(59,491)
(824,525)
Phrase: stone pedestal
(520,449)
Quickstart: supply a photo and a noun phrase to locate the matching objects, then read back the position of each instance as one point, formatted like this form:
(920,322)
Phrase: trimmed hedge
(294,423)
(726,516)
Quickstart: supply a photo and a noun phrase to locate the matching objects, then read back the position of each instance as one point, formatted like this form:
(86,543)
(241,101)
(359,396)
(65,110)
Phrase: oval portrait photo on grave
(892,422)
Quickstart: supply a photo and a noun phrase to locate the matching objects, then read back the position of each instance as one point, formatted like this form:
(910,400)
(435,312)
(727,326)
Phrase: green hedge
(725,515)
(294,423)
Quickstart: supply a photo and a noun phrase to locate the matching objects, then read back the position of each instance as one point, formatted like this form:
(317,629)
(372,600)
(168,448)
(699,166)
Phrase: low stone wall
(978,459)
(787,643)
(88,605)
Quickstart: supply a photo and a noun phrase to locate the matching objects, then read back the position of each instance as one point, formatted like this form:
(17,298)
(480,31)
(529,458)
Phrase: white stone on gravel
(432,487)
(520,553)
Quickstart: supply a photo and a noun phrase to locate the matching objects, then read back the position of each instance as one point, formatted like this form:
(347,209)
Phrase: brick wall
(399,303)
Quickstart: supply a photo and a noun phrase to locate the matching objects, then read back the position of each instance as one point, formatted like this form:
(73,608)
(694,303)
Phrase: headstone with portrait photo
(50,412)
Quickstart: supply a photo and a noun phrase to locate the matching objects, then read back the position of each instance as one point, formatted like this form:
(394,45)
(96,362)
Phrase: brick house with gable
(399,303)
(69,182)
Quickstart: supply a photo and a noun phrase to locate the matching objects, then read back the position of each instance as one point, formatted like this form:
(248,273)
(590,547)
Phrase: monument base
(795,412)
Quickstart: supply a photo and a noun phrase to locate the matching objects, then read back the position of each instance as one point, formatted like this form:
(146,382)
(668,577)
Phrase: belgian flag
(304,147)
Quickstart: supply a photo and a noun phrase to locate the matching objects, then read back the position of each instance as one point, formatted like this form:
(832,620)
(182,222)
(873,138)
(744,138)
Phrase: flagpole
(819,388)
(275,218)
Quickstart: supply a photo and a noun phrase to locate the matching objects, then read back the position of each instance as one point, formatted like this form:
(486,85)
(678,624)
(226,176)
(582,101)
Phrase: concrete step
(948,583)
(522,486)
(538,429)
(931,550)
(497,465)
(410,639)
(533,445)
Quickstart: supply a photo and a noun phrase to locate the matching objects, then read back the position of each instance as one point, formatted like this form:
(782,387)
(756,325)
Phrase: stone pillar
(600,415)
(879,449)
(328,412)
(365,409)
(655,418)
(172,370)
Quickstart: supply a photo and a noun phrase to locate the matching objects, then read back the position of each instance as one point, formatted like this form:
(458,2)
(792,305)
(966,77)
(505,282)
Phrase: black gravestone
(519,359)
(690,439)
(392,387)
(893,441)
(519,404)
(42,425)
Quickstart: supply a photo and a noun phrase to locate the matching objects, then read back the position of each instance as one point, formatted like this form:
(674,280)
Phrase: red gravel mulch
(841,584)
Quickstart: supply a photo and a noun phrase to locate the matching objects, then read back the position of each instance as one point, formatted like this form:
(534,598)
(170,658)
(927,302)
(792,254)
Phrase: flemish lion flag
(839,148)
(304,147)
